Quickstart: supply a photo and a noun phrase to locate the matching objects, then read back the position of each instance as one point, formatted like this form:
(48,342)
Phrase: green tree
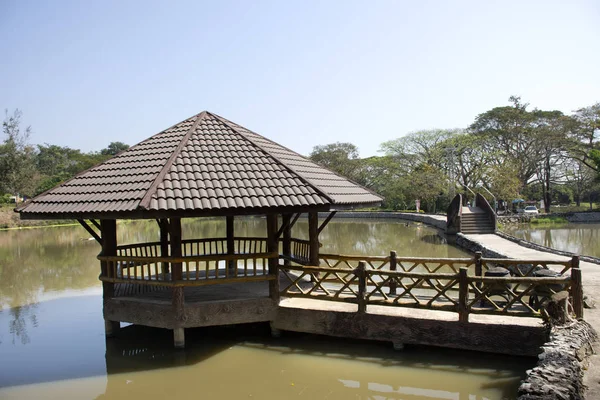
(338,157)
(551,129)
(509,138)
(17,169)
(114,148)
(585,134)
(421,147)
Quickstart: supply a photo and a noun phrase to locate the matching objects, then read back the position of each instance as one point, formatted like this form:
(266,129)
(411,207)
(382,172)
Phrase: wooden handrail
(457,292)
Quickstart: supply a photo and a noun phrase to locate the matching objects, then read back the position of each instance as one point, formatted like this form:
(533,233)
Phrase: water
(52,343)
(582,239)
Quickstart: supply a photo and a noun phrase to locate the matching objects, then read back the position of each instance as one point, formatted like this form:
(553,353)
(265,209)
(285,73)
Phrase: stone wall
(416,217)
(559,371)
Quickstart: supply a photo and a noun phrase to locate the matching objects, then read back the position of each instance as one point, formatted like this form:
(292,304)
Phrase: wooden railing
(300,251)
(195,270)
(458,285)
(198,247)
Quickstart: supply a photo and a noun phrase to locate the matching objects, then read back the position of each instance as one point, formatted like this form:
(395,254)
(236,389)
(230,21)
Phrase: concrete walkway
(591,282)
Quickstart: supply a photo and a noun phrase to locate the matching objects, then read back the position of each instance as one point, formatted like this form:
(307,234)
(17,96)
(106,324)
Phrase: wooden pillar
(361,273)
(232,265)
(576,288)
(393,285)
(164,243)
(287,238)
(273,247)
(178,297)
(463,295)
(313,238)
(109,248)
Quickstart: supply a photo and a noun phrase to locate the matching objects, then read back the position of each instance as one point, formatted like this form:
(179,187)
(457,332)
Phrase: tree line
(27,170)
(511,151)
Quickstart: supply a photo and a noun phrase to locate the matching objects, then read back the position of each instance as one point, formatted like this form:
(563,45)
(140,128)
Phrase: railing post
(576,288)
(478,268)
(463,295)
(361,273)
(393,266)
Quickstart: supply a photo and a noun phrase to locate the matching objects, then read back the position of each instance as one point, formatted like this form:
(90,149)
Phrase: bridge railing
(456,285)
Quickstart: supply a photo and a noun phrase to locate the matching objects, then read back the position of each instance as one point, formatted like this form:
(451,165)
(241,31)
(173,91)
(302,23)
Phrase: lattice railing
(526,268)
(459,290)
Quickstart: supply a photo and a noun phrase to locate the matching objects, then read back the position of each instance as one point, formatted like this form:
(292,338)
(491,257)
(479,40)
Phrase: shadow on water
(65,345)
(140,348)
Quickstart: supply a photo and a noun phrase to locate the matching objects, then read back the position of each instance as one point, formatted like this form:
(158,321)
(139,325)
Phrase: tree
(466,161)
(114,148)
(578,177)
(421,147)
(17,170)
(585,135)
(550,128)
(509,138)
(338,157)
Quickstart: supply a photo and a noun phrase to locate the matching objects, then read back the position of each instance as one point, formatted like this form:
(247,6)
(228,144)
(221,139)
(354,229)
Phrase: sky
(301,73)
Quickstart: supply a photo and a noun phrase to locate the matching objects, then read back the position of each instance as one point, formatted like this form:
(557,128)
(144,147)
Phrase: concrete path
(591,282)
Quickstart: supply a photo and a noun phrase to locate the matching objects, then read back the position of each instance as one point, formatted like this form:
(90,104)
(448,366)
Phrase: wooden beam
(109,248)
(273,246)
(96,223)
(90,231)
(313,238)
(287,238)
(178,295)
(164,243)
(324,224)
(229,225)
(175,247)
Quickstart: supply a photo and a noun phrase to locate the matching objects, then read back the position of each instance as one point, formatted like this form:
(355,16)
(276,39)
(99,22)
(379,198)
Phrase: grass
(549,220)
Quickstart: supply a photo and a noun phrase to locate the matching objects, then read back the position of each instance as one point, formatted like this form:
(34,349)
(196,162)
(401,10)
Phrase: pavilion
(204,166)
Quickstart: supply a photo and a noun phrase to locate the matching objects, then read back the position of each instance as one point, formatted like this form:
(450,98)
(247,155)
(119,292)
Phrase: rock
(559,372)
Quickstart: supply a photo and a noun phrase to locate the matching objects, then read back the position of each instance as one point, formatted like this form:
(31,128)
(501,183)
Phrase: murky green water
(52,343)
(582,239)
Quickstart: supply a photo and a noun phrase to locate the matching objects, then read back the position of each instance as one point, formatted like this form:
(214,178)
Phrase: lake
(582,239)
(52,343)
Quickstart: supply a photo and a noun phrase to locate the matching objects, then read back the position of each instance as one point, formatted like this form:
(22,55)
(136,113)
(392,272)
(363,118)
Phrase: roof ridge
(145,202)
(277,160)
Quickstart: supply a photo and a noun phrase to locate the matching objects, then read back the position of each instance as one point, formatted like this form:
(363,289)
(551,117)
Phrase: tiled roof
(205,164)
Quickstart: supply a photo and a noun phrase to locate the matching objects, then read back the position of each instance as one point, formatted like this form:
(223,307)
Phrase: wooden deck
(249,302)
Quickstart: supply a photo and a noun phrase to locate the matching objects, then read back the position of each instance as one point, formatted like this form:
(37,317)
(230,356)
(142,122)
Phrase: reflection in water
(582,239)
(20,317)
(52,343)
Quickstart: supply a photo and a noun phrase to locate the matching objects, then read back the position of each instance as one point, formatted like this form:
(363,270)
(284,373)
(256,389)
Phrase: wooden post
(109,248)
(272,247)
(232,265)
(393,266)
(287,238)
(479,272)
(313,239)
(576,288)
(463,295)
(178,295)
(478,264)
(362,286)
(164,244)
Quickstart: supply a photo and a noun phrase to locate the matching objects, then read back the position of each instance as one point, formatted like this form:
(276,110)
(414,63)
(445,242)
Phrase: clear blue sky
(301,73)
